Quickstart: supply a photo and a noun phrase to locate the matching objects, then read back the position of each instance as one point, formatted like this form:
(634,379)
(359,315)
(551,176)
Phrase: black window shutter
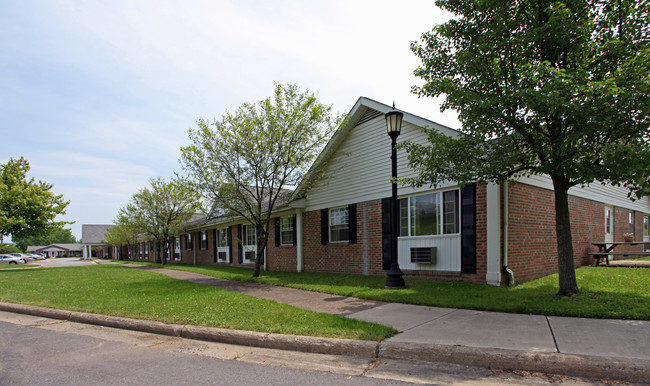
(352,223)
(240,239)
(214,244)
(324,226)
(277,231)
(295,232)
(229,241)
(385,232)
(468,229)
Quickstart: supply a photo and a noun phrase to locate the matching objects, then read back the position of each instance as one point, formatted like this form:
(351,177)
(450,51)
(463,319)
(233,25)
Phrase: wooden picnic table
(606,249)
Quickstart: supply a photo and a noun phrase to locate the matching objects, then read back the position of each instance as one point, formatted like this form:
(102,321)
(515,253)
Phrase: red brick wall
(205,256)
(282,257)
(532,245)
(364,257)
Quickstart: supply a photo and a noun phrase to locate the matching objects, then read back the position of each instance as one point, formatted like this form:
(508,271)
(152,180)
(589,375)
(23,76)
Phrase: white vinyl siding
(360,169)
(607,194)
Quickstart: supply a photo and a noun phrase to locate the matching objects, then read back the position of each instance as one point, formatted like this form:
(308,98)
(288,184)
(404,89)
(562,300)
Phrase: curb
(586,366)
(311,344)
(623,369)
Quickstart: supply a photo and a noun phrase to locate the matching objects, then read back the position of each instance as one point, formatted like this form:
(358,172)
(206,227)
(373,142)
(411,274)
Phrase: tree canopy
(552,87)
(27,207)
(125,231)
(158,212)
(243,162)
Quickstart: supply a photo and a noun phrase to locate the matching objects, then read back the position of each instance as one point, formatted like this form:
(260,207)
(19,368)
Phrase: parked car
(37,256)
(23,256)
(8,259)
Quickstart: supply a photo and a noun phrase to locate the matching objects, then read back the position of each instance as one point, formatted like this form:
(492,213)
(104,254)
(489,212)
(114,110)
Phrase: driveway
(62,262)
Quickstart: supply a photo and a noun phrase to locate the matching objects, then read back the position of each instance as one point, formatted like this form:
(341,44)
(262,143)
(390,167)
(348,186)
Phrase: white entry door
(609,226)
(646,231)
(223,249)
(250,243)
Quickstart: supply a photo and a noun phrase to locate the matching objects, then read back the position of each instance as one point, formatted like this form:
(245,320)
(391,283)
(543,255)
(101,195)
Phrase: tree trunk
(261,245)
(166,245)
(565,263)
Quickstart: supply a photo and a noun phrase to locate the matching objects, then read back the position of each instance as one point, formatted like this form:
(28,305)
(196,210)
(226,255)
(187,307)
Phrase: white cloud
(98,96)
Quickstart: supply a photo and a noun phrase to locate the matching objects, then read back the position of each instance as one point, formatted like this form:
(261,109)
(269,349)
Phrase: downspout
(299,258)
(511,275)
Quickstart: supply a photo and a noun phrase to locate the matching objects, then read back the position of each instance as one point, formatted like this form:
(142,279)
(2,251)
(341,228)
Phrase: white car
(25,257)
(8,259)
(37,256)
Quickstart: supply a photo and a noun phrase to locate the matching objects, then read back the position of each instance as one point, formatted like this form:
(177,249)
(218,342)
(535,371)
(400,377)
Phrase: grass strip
(14,266)
(605,292)
(120,291)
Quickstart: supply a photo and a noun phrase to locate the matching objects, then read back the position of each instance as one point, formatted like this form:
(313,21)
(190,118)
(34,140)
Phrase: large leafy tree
(243,162)
(124,232)
(54,236)
(27,207)
(552,87)
(160,211)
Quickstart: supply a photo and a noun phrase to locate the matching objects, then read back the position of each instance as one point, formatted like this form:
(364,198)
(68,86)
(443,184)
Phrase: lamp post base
(395,279)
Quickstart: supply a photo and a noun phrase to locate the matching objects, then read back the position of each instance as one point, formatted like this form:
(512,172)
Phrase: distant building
(56,250)
(92,238)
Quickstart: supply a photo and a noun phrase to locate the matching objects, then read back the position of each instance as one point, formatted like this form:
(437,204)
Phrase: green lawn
(7,266)
(120,291)
(606,292)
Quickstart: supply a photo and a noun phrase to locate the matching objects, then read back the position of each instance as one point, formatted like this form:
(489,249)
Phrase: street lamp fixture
(394,278)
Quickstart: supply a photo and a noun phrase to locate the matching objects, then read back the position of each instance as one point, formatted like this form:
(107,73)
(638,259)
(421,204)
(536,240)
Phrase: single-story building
(57,250)
(93,241)
(485,233)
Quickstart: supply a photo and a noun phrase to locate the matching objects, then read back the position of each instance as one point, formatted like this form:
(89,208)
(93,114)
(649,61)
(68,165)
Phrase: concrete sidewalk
(595,345)
(614,349)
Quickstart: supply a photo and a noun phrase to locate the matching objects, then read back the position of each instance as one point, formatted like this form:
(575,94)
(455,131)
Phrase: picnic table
(606,249)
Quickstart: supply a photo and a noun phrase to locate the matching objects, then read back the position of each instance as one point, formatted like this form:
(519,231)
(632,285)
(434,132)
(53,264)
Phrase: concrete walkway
(614,349)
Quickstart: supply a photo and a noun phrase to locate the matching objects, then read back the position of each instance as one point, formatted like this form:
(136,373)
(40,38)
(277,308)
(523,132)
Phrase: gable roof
(364,109)
(55,247)
(93,233)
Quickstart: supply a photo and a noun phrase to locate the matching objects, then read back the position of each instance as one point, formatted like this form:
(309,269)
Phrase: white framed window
(429,214)
(646,225)
(631,222)
(204,240)
(249,235)
(339,225)
(286,230)
(222,237)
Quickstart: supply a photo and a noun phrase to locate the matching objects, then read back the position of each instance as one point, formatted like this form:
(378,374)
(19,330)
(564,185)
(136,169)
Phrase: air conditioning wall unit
(426,255)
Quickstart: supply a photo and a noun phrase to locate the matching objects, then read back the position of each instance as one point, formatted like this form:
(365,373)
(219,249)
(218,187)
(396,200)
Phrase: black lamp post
(394,126)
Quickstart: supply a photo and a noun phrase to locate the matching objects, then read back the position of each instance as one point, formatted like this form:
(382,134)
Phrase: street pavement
(614,349)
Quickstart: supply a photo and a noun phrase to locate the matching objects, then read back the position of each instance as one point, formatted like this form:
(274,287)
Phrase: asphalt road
(41,351)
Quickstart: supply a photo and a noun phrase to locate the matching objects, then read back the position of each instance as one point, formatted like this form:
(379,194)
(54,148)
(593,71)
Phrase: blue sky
(98,95)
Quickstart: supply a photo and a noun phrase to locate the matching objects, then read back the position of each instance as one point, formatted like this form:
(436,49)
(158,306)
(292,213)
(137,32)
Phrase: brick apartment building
(484,233)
